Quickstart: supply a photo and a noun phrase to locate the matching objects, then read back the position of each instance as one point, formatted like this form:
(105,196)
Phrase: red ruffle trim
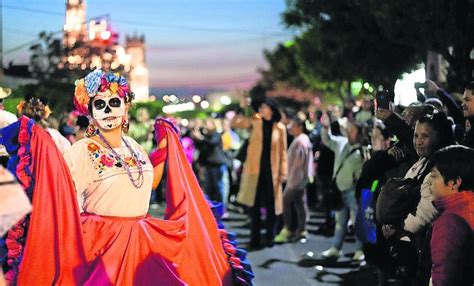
(15,239)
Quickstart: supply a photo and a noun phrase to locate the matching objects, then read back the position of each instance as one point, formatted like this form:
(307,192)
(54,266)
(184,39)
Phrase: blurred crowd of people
(275,164)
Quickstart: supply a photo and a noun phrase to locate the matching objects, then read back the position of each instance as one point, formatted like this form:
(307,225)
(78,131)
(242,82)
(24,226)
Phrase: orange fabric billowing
(202,259)
(65,248)
(125,251)
(54,251)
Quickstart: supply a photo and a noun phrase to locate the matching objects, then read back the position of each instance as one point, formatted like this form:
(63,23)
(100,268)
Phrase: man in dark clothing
(468,110)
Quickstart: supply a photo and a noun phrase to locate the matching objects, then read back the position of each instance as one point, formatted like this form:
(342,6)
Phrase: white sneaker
(358,255)
(331,253)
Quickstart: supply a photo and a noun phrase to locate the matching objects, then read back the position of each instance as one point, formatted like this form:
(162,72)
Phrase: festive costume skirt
(189,246)
(125,251)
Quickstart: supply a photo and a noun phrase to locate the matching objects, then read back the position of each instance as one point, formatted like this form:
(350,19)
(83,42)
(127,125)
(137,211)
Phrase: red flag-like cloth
(203,260)
(54,251)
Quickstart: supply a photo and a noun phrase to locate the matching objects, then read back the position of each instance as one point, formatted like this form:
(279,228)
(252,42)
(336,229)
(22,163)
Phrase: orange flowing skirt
(125,251)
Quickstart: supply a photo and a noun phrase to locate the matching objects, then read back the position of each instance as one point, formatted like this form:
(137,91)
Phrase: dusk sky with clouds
(197,43)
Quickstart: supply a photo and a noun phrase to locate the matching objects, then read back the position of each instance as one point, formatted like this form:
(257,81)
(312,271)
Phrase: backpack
(399,197)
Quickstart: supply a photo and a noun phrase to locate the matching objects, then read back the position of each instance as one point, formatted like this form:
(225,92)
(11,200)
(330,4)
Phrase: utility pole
(2,76)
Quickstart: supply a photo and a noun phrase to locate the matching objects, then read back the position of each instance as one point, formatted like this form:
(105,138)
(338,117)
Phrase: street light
(226,100)
(204,104)
(196,98)
(173,98)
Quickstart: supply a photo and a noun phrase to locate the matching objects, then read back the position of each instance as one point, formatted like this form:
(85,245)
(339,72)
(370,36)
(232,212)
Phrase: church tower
(75,29)
(139,78)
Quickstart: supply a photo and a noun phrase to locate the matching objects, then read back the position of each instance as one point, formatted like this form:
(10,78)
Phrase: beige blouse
(102,184)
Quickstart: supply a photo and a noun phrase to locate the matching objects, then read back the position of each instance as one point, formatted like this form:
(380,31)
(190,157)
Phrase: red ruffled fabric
(54,250)
(15,238)
(187,244)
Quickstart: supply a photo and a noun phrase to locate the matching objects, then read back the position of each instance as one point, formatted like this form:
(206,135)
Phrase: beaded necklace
(138,182)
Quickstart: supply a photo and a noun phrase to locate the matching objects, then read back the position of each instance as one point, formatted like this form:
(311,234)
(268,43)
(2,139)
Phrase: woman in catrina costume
(89,224)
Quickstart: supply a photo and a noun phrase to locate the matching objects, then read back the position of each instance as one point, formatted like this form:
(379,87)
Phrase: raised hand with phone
(383,103)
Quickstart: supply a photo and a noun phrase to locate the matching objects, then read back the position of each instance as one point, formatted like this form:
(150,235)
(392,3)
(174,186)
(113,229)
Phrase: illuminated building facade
(135,47)
(75,26)
(95,45)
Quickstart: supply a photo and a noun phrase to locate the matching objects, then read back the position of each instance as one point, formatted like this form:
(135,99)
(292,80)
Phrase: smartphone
(383,99)
(419,85)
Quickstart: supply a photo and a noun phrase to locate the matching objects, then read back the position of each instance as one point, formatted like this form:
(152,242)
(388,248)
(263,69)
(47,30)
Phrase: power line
(200,29)
(18,31)
(33,10)
(160,25)
(19,47)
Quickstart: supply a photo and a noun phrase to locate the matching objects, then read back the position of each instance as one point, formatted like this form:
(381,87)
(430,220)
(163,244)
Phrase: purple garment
(188,146)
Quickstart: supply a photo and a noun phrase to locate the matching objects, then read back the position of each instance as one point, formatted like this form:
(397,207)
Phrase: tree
(45,56)
(283,68)
(288,76)
(58,95)
(379,40)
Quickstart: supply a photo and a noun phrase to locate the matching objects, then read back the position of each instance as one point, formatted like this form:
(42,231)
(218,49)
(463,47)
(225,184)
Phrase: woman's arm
(159,168)
(158,157)
(425,211)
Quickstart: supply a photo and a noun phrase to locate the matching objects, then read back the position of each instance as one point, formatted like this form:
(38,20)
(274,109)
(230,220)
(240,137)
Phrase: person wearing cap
(6,118)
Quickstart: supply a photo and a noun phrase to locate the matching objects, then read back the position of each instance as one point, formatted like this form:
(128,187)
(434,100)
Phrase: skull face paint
(108,111)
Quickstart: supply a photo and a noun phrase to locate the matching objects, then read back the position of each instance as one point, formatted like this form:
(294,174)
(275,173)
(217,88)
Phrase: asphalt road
(287,265)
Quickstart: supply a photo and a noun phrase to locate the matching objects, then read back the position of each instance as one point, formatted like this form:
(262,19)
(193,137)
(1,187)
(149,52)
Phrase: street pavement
(288,264)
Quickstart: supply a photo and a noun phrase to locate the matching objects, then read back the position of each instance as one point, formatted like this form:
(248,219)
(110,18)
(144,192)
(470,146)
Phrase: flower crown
(36,106)
(99,81)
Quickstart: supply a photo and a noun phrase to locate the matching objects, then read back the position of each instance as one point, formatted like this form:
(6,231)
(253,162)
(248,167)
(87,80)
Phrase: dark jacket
(211,151)
(452,242)
(469,136)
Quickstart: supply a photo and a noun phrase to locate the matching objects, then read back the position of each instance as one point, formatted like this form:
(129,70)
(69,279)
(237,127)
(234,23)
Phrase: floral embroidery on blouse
(104,161)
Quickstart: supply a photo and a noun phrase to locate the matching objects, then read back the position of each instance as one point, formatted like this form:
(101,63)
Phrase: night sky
(196,43)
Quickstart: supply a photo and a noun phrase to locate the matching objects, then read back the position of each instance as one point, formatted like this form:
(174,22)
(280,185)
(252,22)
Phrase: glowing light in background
(179,107)
(173,98)
(105,35)
(225,100)
(204,104)
(289,43)
(405,92)
(196,98)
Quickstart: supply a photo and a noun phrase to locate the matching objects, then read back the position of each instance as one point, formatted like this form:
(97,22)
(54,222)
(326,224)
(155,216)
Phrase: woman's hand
(160,126)
(397,153)
(389,230)
(383,114)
